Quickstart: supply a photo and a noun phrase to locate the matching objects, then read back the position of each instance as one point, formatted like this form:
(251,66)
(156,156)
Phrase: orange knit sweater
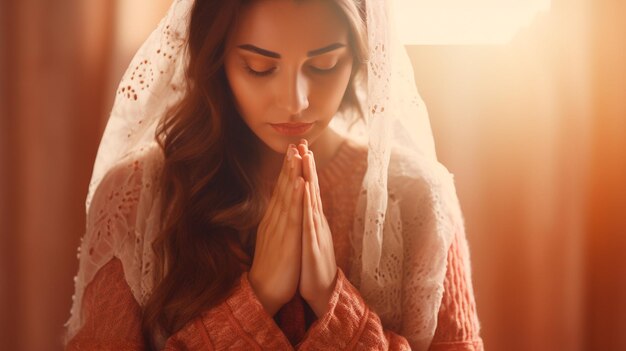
(113,316)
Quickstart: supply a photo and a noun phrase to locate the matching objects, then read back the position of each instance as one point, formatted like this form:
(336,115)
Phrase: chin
(279,144)
(278,147)
(276,144)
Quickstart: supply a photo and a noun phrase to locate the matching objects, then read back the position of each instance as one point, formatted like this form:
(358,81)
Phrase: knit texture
(113,316)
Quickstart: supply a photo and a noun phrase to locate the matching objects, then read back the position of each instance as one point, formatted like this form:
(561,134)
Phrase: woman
(250,221)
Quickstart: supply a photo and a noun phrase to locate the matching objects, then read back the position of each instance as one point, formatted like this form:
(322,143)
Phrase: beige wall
(535,132)
(59,60)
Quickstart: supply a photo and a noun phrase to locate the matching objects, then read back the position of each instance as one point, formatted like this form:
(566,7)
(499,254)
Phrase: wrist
(320,306)
(321,303)
(270,305)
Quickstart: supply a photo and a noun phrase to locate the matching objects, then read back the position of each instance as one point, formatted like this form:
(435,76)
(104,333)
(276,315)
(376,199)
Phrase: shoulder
(116,227)
(422,189)
(130,182)
(122,220)
(411,172)
(135,167)
(133,173)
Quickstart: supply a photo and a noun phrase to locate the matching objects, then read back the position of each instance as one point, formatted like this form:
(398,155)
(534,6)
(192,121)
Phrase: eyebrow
(316,52)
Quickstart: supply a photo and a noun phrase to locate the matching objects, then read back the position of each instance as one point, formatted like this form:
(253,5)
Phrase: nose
(293,93)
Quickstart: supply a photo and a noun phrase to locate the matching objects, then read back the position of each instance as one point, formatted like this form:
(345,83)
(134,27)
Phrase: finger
(303,147)
(269,219)
(283,196)
(316,183)
(282,177)
(280,214)
(284,202)
(306,168)
(297,164)
(318,214)
(295,209)
(309,240)
(295,212)
(310,174)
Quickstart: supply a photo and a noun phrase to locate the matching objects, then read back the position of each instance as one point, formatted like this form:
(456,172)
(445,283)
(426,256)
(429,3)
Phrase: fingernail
(290,153)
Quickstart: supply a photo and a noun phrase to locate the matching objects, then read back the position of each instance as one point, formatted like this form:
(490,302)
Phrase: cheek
(248,99)
(330,92)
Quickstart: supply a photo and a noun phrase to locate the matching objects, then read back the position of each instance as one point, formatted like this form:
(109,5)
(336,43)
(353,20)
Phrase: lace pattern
(407,211)
(152,84)
(122,222)
(419,223)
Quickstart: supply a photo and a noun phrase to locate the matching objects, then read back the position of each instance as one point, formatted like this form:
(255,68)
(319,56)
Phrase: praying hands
(294,247)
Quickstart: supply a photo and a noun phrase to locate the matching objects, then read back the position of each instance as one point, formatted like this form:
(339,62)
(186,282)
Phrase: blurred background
(533,127)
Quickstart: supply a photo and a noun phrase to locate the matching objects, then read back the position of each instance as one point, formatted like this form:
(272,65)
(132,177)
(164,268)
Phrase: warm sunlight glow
(462,22)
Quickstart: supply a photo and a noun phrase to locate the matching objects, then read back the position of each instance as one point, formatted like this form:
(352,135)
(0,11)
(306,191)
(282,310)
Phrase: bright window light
(464,22)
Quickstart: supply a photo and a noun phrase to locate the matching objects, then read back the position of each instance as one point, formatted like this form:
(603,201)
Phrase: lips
(292,128)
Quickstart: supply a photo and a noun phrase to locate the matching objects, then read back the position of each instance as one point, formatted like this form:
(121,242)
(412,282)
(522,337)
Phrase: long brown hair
(209,200)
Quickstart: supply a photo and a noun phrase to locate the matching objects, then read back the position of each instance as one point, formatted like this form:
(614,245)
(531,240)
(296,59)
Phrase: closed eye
(257,73)
(323,70)
(314,69)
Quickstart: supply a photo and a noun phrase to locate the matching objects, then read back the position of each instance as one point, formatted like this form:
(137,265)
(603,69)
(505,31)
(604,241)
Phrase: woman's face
(288,64)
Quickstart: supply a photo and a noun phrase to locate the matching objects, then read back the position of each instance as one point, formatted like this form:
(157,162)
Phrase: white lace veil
(408,206)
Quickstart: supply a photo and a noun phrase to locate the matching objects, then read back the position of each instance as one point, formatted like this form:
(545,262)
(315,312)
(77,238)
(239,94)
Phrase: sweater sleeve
(112,316)
(458,328)
(113,320)
(239,323)
(350,324)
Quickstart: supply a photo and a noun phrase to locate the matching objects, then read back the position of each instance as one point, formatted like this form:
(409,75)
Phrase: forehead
(289,26)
